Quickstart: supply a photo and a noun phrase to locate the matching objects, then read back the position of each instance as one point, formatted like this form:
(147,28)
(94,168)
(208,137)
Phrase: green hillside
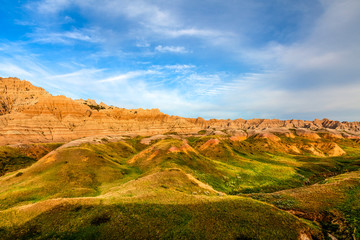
(183,187)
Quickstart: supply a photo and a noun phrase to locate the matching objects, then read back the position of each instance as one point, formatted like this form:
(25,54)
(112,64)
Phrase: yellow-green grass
(90,169)
(164,181)
(334,203)
(309,169)
(235,174)
(13,158)
(200,218)
(251,168)
(231,170)
(166,204)
(69,172)
(178,174)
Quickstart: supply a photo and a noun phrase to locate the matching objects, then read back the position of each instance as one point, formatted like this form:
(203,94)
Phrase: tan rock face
(332,135)
(269,136)
(333,150)
(284,132)
(307,134)
(237,135)
(313,150)
(30,114)
(16,95)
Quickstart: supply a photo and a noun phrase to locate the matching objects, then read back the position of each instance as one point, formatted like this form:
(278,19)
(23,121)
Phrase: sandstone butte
(29,114)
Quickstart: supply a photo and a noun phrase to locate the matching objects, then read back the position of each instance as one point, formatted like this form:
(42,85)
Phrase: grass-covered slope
(68,172)
(264,165)
(333,203)
(181,187)
(203,218)
(16,157)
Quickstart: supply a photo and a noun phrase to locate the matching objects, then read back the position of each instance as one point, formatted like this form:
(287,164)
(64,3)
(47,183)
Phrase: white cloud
(142,94)
(85,35)
(49,6)
(192,32)
(148,13)
(139,10)
(179,67)
(202,84)
(82,73)
(129,75)
(11,70)
(150,17)
(16,61)
(171,49)
(142,45)
(176,68)
(252,96)
(327,56)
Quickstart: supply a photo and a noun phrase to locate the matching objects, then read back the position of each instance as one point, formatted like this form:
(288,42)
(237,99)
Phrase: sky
(283,59)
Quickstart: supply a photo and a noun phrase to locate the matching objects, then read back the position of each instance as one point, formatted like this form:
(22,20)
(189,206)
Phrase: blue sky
(285,59)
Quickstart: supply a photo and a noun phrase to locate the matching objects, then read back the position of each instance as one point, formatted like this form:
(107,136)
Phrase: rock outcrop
(29,114)
(16,95)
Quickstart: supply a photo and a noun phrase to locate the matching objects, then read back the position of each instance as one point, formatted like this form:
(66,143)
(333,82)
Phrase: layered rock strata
(30,114)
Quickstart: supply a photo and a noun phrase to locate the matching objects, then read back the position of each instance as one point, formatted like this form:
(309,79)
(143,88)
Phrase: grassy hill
(182,187)
(333,203)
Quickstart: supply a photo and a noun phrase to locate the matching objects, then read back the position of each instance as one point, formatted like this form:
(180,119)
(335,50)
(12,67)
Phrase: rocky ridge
(30,114)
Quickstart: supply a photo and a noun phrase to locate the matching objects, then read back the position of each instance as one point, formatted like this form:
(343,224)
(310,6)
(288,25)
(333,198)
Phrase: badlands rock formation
(30,114)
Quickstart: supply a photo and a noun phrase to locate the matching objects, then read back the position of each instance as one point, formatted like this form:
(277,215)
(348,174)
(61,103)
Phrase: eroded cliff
(30,114)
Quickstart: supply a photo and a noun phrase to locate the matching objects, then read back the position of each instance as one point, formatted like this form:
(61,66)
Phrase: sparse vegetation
(202,132)
(173,187)
(95,107)
(14,158)
(202,219)
(334,204)
(6,103)
(171,133)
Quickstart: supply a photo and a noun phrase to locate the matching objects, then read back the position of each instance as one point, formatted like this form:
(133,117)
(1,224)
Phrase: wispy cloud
(149,17)
(83,73)
(176,67)
(202,84)
(328,55)
(189,32)
(171,49)
(67,37)
(129,75)
(11,70)
(49,6)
